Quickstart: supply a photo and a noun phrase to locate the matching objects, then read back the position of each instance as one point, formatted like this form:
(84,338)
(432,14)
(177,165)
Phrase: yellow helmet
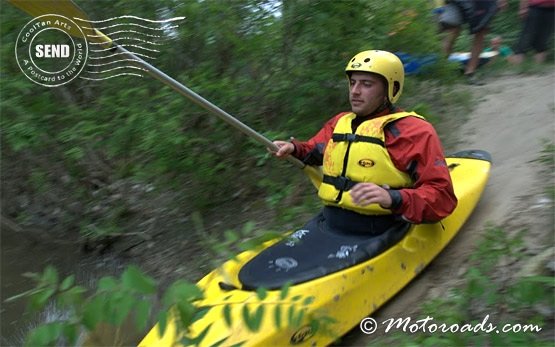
(383,63)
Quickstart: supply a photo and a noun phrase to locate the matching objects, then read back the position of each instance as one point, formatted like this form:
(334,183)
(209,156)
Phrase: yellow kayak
(342,277)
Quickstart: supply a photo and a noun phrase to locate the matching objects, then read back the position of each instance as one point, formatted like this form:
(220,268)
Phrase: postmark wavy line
(162,28)
(121,53)
(117,68)
(124,45)
(129,17)
(111,35)
(108,77)
(129,38)
(114,62)
(129,31)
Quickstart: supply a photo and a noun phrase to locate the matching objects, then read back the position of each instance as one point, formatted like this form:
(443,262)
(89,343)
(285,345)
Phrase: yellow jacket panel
(351,158)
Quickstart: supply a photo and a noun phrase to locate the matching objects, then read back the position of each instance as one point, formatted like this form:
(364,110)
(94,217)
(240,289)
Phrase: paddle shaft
(207,105)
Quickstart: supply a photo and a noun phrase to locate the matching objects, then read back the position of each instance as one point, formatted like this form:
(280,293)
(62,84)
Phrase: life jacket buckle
(342,183)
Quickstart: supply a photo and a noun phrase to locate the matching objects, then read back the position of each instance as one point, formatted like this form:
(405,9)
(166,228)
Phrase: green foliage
(112,303)
(285,312)
(116,301)
(546,159)
(232,242)
(494,246)
(547,154)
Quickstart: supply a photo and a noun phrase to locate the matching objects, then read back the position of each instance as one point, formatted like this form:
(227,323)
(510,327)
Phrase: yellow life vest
(352,158)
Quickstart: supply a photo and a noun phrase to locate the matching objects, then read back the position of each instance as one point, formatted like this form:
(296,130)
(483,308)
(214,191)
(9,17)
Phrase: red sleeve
(416,149)
(318,142)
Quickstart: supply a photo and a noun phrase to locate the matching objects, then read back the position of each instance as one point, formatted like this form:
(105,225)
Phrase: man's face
(366,93)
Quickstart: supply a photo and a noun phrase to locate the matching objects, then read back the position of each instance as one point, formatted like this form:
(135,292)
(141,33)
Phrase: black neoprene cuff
(396,199)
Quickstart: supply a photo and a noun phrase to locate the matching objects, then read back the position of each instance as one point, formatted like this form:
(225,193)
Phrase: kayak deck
(313,252)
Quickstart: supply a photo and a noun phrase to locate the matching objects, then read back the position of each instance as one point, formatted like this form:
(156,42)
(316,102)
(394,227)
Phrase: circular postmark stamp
(51,50)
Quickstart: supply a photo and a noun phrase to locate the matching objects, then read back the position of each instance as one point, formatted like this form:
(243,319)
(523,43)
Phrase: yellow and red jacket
(413,147)
(360,156)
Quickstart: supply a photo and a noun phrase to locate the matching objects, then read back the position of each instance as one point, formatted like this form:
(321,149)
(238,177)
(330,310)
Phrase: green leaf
(201,312)
(261,293)
(296,298)
(544,280)
(219,343)
(248,228)
(308,300)
(134,279)
(526,292)
(50,276)
(107,283)
(200,337)
(299,318)
(72,296)
(231,236)
(162,322)
(246,317)
(179,291)
(71,332)
(93,312)
(142,312)
(476,285)
(39,299)
(120,307)
(258,241)
(67,283)
(257,318)
(253,321)
(249,245)
(227,315)
(75,153)
(284,291)
(277,316)
(315,324)
(186,311)
(44,335)
(291,315)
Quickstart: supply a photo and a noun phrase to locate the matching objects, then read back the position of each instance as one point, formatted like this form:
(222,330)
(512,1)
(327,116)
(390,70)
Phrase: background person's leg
(449,39)
(543,27)
(477,47)
(524,43)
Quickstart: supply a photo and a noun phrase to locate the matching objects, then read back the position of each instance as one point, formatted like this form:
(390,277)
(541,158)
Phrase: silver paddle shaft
(207,105)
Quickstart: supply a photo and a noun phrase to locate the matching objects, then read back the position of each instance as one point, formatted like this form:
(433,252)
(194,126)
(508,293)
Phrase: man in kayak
(380,164)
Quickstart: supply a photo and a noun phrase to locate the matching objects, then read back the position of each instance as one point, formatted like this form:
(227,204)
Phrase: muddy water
(20,254)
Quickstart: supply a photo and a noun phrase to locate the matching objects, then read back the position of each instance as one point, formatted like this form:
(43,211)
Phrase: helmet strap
(383,106)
